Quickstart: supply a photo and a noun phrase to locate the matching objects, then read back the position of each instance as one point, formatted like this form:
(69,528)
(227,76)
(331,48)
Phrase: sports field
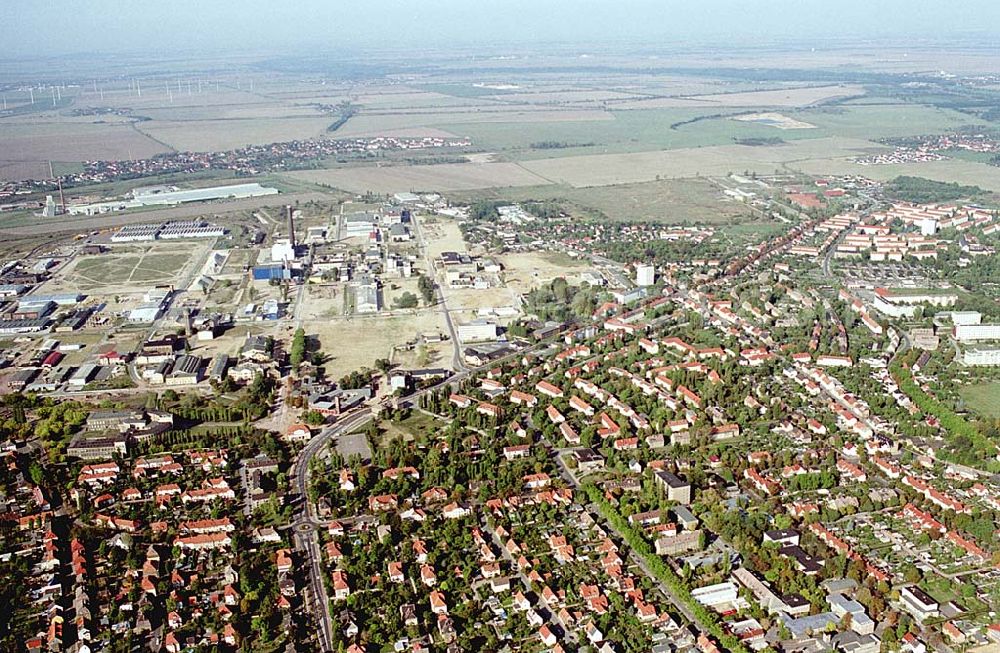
(983,399)
(128,269)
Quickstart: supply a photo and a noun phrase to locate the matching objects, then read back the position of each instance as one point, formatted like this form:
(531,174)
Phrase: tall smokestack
(62,197)
(291,225)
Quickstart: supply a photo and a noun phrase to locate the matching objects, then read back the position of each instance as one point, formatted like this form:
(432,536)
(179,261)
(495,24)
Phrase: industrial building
(478,330)
(186,371)
(83,376)
(174,230)
(62,299)
(283,251)
(359,224)
(217,370)
(270,310)
(12,290)
(145,314)
(171,196)
(366,299)
(24,326)
(29,309)
(272,272)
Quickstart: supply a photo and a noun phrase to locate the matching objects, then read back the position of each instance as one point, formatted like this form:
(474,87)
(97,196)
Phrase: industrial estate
(490,357)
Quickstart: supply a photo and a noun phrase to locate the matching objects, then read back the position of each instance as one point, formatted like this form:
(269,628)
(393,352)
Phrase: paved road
(638,560)
(457,361)
(307,539)
(306,523)
(552,613)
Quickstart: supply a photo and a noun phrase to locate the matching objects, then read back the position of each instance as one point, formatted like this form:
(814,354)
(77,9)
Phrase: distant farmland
(445,177)
(667,201)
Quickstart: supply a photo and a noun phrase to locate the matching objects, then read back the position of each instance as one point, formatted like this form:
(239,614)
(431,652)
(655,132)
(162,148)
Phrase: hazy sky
(33,27)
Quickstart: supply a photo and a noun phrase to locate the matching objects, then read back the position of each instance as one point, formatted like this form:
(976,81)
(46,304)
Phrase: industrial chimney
(291,226)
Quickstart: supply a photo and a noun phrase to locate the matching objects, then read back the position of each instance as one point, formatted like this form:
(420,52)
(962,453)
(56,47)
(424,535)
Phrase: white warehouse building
(478,330)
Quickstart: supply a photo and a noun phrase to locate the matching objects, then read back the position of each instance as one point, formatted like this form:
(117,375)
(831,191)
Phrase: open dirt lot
(352,343)
(525,271)
(452,176)
(440,234)
(468,300)
(434,355)
(324,300)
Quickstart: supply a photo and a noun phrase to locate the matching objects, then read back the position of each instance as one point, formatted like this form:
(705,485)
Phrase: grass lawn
(939,588)
(415,426)
(983,399)
(563,260)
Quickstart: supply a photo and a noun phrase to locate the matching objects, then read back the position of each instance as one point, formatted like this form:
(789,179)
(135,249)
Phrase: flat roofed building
(718,594)
(981,356)
(83,375)
(677,489)
(478,330)
(366,298)
(89,446)
(145,314)
(359,223)
(919,603)
(167,195)
(974,332)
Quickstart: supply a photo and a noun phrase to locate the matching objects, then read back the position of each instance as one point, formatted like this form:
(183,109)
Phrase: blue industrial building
(272,271)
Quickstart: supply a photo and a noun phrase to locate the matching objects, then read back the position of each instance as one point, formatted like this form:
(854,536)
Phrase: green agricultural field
(629,131)
(670,201)
(983,399)
(873,122)
(650,129)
